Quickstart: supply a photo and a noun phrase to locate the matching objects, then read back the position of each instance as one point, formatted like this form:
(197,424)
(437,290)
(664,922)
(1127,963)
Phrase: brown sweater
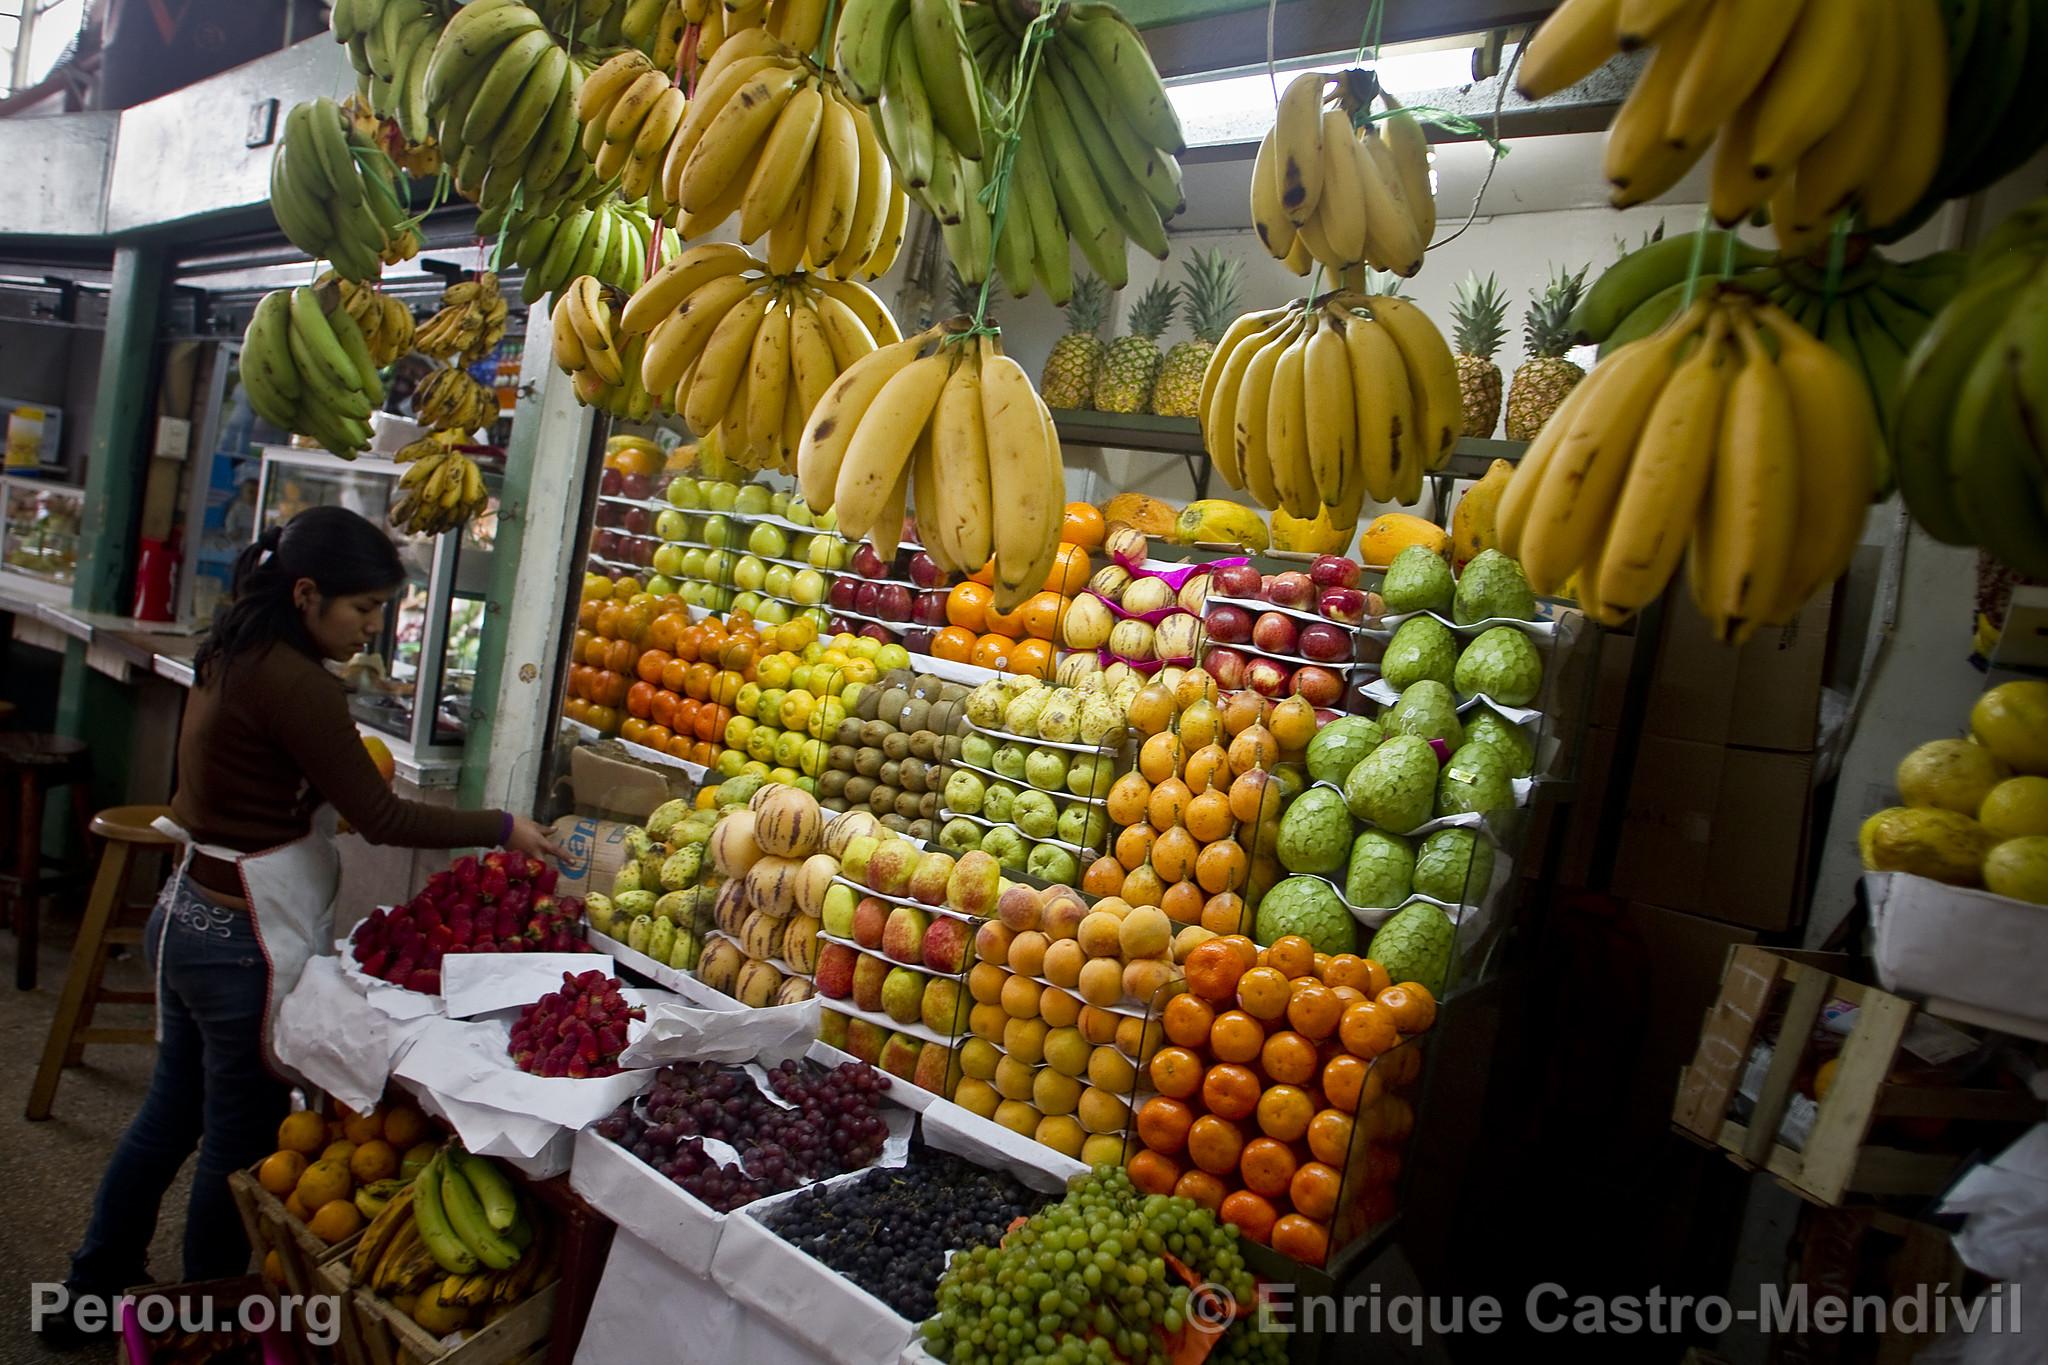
(266,740)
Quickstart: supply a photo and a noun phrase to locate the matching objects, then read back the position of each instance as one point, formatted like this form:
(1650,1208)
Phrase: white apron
(291,891)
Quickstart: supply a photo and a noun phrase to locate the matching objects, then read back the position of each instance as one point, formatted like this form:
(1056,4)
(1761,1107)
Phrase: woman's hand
(532,839)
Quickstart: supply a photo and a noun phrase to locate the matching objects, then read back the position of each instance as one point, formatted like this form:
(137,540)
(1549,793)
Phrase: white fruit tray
(1975,956)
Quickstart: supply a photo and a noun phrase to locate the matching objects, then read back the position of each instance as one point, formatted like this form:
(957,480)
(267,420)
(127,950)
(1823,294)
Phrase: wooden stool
(125,829)
(30,765)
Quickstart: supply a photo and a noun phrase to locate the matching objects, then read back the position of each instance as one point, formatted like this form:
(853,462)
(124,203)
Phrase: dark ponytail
(340,551)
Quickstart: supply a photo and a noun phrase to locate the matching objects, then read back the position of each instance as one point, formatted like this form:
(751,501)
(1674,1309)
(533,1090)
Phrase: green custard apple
(1314,832)
(1394,786)
(1423,647)
(1489,727)
(1417,580)
(1502,664)
(1427,709)
(1310,907)
(1415,945)
(1338,746)
(1382,870)
(1492,588)
(1454,865)
(1475,780)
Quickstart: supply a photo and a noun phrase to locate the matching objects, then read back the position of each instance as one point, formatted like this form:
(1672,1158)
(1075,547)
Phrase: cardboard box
(1765,695)
(613,786)
(1683,956)
(1717,831)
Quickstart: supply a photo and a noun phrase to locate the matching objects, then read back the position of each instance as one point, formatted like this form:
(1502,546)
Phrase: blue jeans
(211,1090)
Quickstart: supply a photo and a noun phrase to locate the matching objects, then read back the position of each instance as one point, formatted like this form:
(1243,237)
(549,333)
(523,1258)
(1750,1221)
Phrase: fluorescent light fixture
(1240,106)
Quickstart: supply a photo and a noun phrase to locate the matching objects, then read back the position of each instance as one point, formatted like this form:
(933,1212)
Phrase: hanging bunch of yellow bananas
(948,428)
(337,195)
(1812,106)
(386,323)
(737,348)
(453,400)
(1328,191)
(1312,408)
(470,323)
(441,489)
(655,27)
(799,23)
(501,97)
(629,110)
(1731,436)
(603,364)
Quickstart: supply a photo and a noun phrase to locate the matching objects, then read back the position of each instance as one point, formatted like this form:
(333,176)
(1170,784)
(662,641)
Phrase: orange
(1376,979)
(1366,1030)
(1070,570)
(1267,1165)
(1409,1005)
(1209,768)
(1231,1091)
(1214,1144)
(1168,805)
(1254,797)
(1293,723)
(1127,801)
(1222,913)
(1284,1113)
(1340,969)
(1163,1124)
(1182,903)
(1151,710)
(280,1171)
(1153,1172)
(997,621)
(1186,1020)
(1082,525)
(1208,815)
(967,605)
(1249,1213)
(649,668)
(1262,993)
(1212,970)
(1235,1036)
(1104,877)
(303,1131)
(323,1181)
(955,643)
(640,700)
(1033,659)
(1176,1072)
(992,651)
(633,730)
(1291,954)
(1402,1066)
(335,1221)
(1247,951)
(1288,1057)
(1314,1189)
(1302,1239)
(1203,1188)
(341,1149)
(1174,852)
(1329,1137)
(1041,614)
(1160,756)
(373,1160)
(296,1207)
(986,574)
(1315,1010)
(1143,887)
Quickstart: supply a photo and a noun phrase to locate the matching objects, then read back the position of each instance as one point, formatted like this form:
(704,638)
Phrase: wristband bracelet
(505,830)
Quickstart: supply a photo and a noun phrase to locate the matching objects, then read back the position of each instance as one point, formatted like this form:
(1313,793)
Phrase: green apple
(668,560)
(892,656)
(1034,813)
(1083,825)
(671,526)
(661,585)
(819,619)
(749,574)
(828,520)
(1050,862)
(780,578)
(720,495)
(798,511)
(808,587)
(717,532)
(819,553)
(717,567)
(1010,760)
(771,542)
(1046,769)
(771,612)
(748,602)
(692,565)
(998,801)
(778,504)
(693,591)
(718,599)
(752,498)
(977,750)
(682,492)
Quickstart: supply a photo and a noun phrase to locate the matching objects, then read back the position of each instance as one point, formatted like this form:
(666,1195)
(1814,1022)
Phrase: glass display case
(39,537)
(415,683)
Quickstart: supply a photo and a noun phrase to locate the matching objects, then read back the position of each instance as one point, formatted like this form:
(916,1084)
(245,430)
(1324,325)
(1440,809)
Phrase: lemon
(2011,720)
(2016,806)
(2019,868)
(1940,844)
(1951,774)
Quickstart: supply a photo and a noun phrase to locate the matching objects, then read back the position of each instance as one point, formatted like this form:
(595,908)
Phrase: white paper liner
(676,1031)
(644,1293)
(483,983)
(692,990)
(395,1001)
(331,1032)
(1386,694)
(1541,628)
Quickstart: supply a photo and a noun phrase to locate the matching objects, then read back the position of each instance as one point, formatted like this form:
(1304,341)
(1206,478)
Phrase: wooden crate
(1838,1158)
(300,1254)
(374,1332)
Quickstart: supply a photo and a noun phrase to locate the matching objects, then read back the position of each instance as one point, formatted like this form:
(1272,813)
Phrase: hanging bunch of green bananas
(307,368)
(501,95)
(1968,435)
(386,322)
(453,400)
(337,195)
(441,489)
(588,346)
(470,323)
(1646,288)
(460,1237)
(389,43)
(609,241)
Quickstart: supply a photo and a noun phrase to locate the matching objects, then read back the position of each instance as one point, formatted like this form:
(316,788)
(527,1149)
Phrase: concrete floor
(49,1170)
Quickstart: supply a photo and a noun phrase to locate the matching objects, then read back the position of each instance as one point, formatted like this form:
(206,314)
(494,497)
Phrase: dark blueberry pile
(835,1126)
(890,1230)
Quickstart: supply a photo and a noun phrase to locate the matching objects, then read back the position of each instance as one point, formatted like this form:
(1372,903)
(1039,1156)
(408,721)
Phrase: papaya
(1472,528)
(1317,537)
(1214,520)
(1148,514)
(1392,532)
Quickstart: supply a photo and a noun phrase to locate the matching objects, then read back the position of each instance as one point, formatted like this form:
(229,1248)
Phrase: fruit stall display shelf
(944,910)
(1076,849)
(374,1331)
(1072,746)
(683,983)
(1057,794)
(696,772)
(777,963)
(914,1029)
(1257,607)
(1127,1007)
(1353,667)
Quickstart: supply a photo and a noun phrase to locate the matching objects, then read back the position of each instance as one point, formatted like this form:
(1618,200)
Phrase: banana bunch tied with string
(1313,407)
(944,426)
(610,241)
(337,195)
(389,44)
(770,139)
(501,96)
(1970,433)
(307,368)
(441,489)
(1329,190)
(603,364)
(798,23)
(1813,107)
(629,111)
(386,322)
(1731,439)
(737,348)
(469,324)
(454,400)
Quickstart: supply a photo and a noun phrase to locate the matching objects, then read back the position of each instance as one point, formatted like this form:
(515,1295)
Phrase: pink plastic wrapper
(1150,618)
(1146,666)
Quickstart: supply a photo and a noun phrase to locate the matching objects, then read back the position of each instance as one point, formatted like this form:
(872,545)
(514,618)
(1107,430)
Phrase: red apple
(1229,625)
(868,599)
(924,570)
(1236,580)
(607,543)
(893,602)
(1317,686)
(635,521)
(1334,571)
(1295,590)
(1227,666)
(1325,643)
(882,633)
(643,550)
(1324,715)
(636,486)
(1342,604)
(841,625)
(866,563)
(930,609)
(1265,677)
(918,639)
(1275,633)
(844,594)
(610,482)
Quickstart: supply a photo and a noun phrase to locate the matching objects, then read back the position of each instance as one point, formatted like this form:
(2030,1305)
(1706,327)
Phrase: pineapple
(1131,363)
(1542,381)
(1211,302)
(1068,380)
(1478,310)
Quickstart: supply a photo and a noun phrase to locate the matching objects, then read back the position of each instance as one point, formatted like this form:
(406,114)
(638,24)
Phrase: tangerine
(1284,1113)
(302,1131)
(1314,1189)
(1315,1010)
(1203,1188)
(1247,951)
(1163,1124)
(1291,954)
(1212,970)
(335,1221)
(1176,1072)
(1376,979)
(1329,1137)
(1081,524)
(1289,1058)
(1366,1030)
(1348,1081)
(967,606)
(1263,991)
(1187,1018)
(1409,1005)
(1070,570)
(955,643)
(1249,1213)
(1153,1172)
(1301,1239)
(1231,1091)
(1033,659)
(280,1171)
(992,651)
(1041,614)
(1214,1144)
(1267,1166)
(1235,1036)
